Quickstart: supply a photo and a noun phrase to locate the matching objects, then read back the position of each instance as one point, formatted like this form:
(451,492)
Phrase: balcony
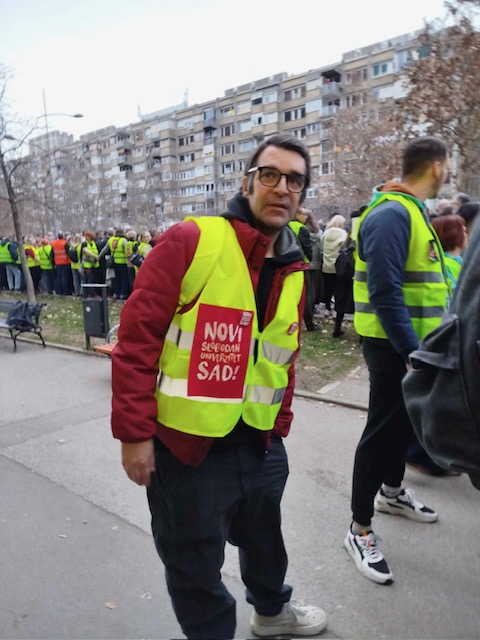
(329,111)
(331,88)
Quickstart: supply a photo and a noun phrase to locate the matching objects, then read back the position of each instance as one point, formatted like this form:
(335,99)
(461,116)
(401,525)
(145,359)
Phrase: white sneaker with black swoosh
(405,505)
(367,556)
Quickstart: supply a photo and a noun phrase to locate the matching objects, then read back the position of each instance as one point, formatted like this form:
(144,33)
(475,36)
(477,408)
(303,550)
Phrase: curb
(308,395)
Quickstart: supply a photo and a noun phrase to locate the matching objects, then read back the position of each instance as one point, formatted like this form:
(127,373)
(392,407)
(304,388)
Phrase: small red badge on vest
(292,328)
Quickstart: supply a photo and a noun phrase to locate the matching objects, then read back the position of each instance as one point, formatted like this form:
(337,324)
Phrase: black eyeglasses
(270,177)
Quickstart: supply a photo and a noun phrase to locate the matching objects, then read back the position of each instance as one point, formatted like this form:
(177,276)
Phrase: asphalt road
(77,558)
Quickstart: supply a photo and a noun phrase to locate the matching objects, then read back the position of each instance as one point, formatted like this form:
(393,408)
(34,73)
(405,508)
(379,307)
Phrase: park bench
(20,316)
(110,341)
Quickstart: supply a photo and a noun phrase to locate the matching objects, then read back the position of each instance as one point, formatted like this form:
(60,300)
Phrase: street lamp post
(50,167)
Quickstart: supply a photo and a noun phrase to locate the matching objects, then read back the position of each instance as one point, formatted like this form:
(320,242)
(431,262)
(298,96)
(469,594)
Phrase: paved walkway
(76,554)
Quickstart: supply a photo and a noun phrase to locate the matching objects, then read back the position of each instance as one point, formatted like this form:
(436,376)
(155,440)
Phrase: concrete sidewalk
(78,561)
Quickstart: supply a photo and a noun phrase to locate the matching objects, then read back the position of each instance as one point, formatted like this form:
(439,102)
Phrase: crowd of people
(63,264)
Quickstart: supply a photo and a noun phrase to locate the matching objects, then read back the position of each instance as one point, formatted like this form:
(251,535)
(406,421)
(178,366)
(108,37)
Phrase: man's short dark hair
(420,154)
(284,141)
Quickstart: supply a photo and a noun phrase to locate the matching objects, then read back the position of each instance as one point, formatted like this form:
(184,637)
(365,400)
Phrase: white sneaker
(367,556)
(294,619)
(405,505)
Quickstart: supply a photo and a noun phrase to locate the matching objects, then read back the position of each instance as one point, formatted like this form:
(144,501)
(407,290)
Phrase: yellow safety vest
(5,256)
(425,287)
(31,262)
(76,265)
(295,226)
(87,263)
(45,254)
(118,249)
(216,366)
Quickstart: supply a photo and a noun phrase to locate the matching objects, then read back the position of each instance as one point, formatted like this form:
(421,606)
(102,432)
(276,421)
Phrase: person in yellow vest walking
(217,309)
(400,293)
(45,253)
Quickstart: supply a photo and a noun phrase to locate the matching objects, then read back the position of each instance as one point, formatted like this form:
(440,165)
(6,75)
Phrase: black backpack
(442,390)
(345,262)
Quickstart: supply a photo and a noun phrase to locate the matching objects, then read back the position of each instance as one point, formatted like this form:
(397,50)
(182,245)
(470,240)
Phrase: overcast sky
(111,59)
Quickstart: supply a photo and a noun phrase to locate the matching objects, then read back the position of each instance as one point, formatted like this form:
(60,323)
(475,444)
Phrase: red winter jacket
(145,319)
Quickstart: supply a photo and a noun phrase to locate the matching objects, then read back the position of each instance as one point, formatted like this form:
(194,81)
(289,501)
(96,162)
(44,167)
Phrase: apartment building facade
(189,160)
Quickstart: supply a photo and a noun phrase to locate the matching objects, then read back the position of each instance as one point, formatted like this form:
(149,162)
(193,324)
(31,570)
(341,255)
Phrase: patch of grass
(323,358)
(62,318)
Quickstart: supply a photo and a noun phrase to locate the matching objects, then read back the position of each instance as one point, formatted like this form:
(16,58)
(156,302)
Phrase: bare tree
(363,150)
(443,87)
(9,164)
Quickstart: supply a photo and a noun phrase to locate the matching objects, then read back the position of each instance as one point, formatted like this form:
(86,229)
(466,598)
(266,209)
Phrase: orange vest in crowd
(59,251)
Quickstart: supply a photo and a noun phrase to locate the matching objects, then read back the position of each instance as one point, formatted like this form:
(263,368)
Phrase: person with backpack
(203,377)
(400,293)
(345,268)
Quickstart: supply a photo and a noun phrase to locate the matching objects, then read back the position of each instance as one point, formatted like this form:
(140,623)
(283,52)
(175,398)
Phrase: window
(380,69)
(186,175)
(229,185)
(312,193)
(241,165)
(227,149)
(208,114)
(227,167)
(245,145)
(186,123)
(294,114)
(300,133)
(313,128)
(185,192)
(257,98)
(268,98)
(227,130)
(326,168)
(185,140)
(257,120)
(226,112)
(244,125)
(186,157)
(357,75)
(295,93)
(244,107)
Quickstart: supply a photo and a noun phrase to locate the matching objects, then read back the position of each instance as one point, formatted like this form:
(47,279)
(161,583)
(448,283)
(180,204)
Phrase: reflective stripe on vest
(425,287)
(118,249)
(208,377)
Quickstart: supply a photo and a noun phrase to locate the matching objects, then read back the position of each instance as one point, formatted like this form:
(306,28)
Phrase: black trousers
(381,452)
(233,496)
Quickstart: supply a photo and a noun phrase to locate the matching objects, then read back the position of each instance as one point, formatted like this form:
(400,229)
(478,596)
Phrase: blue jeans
(14,277)
(233,496)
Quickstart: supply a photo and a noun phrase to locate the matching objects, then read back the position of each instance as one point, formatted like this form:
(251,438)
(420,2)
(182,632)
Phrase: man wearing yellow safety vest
(400,294)
(217,309)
